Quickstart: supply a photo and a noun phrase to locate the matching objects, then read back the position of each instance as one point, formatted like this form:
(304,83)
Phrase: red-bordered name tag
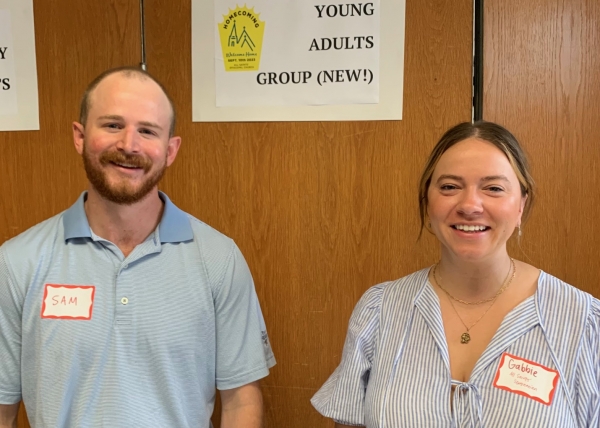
(526,378)
(70,302)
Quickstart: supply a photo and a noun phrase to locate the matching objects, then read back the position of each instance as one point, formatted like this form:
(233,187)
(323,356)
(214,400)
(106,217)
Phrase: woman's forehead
(474,156)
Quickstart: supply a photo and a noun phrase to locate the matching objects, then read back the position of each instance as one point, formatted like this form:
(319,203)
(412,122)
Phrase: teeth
(467,228)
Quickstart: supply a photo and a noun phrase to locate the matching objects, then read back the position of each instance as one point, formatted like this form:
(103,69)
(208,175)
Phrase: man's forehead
(130,83)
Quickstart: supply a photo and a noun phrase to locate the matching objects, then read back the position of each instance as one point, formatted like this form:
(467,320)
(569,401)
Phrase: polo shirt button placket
(123,291)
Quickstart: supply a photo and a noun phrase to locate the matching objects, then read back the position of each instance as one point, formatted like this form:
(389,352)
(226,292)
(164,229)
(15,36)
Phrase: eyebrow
(496,177)
(449,177)
(121,119)
(484,179)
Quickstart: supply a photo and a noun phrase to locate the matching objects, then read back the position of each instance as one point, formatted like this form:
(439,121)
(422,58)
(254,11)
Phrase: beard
(123,192)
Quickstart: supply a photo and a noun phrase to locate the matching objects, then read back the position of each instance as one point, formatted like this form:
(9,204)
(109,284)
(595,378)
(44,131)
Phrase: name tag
(72,302)
(526,378)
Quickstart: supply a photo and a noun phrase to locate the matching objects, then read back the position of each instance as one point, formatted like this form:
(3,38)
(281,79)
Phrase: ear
(522,206)
(427,221)
(78,136)
(172,149)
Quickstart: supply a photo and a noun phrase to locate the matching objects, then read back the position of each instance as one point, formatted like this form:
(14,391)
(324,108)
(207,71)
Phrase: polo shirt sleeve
(342,396)
(10,334)
(244,352)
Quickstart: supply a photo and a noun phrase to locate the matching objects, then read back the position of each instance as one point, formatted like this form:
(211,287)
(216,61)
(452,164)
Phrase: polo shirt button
(125,266)
(124,300)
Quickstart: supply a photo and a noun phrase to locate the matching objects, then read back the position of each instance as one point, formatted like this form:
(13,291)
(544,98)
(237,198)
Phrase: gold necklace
(478,302)
(466,336)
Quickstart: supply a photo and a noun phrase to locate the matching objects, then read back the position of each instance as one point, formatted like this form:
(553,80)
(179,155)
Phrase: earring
(519,233)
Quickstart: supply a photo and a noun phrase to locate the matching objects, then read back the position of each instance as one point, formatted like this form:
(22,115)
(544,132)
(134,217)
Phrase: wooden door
(542,81)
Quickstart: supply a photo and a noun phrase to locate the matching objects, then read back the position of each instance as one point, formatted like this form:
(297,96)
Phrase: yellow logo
(241,34)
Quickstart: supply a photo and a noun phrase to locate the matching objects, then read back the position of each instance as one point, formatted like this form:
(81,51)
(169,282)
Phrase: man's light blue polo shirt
(167,324)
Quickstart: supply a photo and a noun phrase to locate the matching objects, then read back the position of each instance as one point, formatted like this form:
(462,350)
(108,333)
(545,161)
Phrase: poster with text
(297,60)
(18,74)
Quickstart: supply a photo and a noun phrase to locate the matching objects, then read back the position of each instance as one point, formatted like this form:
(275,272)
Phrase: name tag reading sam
(72,302)
(526,378)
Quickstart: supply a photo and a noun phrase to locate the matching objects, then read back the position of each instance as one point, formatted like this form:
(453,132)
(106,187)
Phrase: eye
(112,125)
(448,187)
(495,189)
(147,131)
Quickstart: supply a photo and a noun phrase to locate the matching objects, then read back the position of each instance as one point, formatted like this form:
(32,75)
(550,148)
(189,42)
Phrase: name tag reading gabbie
(526,378)
(69,302)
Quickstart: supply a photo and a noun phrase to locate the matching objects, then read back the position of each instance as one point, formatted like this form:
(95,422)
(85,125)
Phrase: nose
(128,140)
(470,202)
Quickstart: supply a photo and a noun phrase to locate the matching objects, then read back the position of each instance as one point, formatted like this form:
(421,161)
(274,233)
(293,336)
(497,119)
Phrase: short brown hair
(128,71)
(486,131)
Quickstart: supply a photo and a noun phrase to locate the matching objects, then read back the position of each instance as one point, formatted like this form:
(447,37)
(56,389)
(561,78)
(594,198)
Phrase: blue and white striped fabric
(170,322)
(395,369)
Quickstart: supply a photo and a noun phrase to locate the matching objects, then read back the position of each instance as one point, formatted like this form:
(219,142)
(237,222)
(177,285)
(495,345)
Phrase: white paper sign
(296,53)
(18,74)
(8,82)
(297,60)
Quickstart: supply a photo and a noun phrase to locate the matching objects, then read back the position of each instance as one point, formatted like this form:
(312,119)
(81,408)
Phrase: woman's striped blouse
(395,369)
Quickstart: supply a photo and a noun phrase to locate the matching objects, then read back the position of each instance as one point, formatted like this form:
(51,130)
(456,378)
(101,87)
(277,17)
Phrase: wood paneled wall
(324,210)
(321,210)
(542,81)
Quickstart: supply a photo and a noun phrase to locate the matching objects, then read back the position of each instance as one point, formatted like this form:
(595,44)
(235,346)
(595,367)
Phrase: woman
(479,339)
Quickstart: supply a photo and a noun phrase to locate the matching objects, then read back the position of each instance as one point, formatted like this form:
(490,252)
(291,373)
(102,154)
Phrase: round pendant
(465,337)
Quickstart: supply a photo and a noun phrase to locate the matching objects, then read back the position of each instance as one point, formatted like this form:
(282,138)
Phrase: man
(124,311)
